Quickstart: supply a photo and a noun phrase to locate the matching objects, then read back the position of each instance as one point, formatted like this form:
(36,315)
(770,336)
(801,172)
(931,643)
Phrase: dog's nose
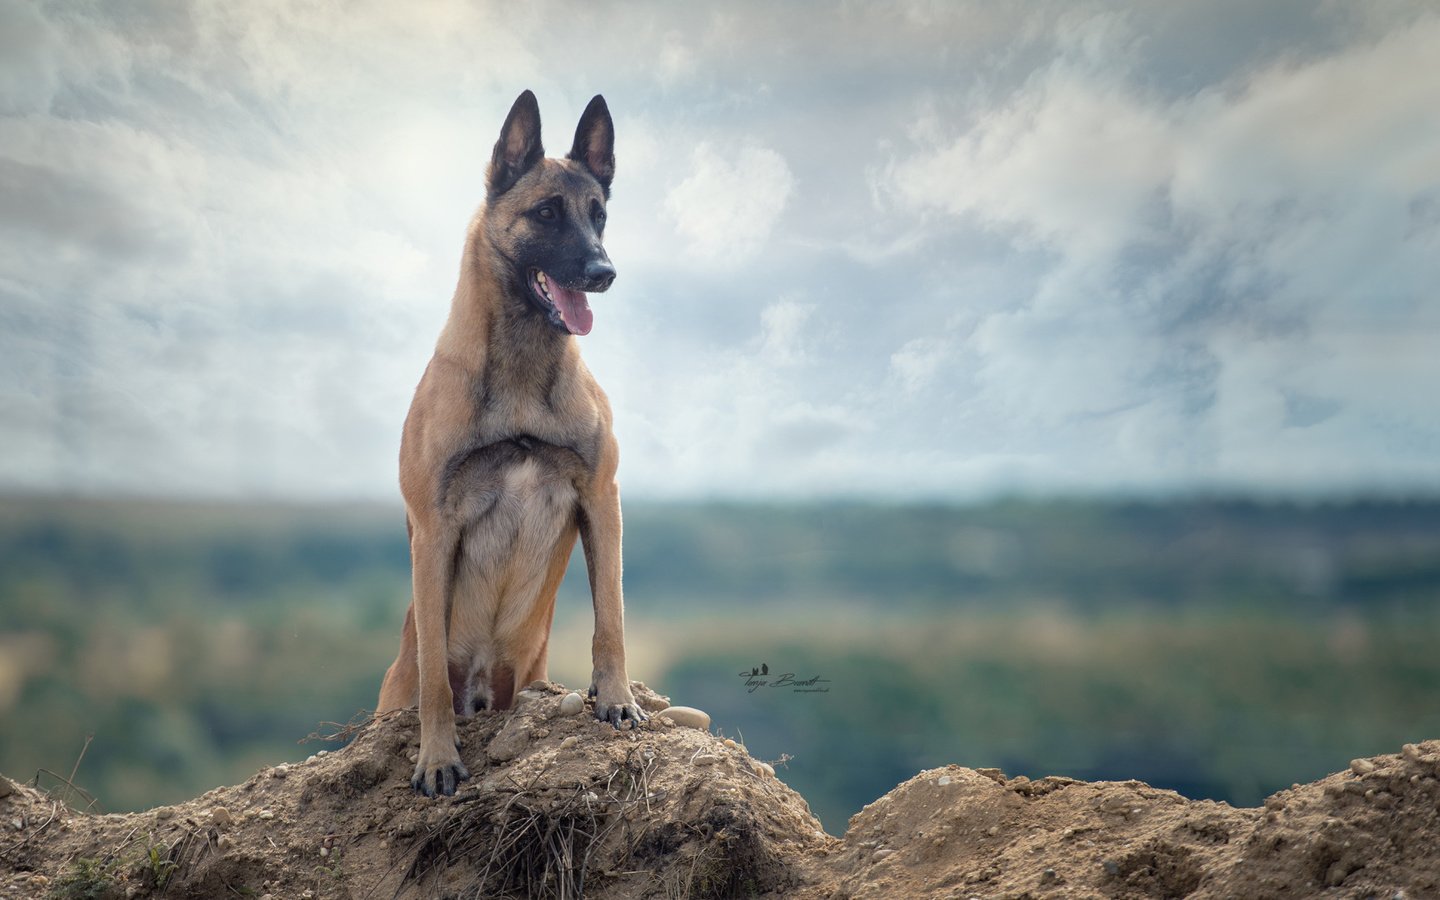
(599,274)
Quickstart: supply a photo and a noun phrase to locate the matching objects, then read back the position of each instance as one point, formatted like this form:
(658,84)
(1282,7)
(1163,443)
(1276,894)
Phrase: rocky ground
(561,806)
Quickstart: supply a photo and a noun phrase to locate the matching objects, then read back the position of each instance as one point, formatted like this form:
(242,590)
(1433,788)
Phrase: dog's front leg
(438,768)
(600,534)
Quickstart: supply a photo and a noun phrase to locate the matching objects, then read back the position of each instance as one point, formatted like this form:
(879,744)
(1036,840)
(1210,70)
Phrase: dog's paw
(439,775)
(617,707)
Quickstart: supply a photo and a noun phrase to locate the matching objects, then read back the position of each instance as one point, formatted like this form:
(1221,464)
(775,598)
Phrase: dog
(508,454)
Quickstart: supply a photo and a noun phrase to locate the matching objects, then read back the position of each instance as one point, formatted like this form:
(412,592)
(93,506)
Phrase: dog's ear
(594,146)
(518,149)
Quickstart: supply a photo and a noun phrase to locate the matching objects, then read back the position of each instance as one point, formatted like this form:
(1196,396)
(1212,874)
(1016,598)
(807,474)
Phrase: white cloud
(1189,240)
(726,207)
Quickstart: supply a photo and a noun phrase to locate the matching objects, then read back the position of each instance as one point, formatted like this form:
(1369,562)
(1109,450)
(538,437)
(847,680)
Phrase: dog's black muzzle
(599,274)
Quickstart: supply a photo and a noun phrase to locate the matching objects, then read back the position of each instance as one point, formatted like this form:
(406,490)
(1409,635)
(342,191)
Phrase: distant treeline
(922,556)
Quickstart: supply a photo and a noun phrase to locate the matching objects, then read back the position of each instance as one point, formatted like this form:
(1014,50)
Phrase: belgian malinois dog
(508,455)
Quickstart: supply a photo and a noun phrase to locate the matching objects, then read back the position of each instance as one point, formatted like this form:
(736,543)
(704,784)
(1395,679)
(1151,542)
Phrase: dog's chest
(515,488)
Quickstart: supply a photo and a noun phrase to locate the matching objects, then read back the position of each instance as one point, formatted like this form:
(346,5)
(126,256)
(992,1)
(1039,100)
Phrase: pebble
(18,824)
(569,742)
(688,716)
(571,704)
(312,758)
(542,686)
(7,787)
(512,740)
(1362,766)
(322,753)
(1337,873)
(221,816)
(39,881)
(280,771)
(324,852)
(540,733)
(730,742)
(164,813)
(224,842)
(944,780)
(882,854)
(762,769)
(265,815)
(1049,877)
(705,759)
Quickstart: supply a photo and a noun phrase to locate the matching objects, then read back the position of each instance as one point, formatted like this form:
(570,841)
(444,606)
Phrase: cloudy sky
(923,248)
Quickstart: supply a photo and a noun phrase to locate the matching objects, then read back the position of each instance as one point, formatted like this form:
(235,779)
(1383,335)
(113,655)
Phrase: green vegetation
(1224,649)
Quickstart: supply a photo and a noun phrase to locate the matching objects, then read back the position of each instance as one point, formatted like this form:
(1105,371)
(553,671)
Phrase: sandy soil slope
(562,806)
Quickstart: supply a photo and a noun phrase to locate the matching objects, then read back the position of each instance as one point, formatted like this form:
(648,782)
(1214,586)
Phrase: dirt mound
(561,805)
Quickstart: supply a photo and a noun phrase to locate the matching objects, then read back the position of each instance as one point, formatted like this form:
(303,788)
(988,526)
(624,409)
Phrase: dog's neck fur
(486,328)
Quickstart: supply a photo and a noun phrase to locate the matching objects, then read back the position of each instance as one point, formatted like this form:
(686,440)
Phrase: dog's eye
(546,212)
(598,214)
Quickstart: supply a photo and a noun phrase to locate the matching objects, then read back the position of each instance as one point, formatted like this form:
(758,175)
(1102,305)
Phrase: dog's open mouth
(568,309)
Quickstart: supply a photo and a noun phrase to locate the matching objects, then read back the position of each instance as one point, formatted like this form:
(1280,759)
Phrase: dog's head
(546,217)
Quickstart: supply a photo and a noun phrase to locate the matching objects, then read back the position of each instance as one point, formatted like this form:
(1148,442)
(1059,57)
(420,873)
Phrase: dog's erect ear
(594,146)
(518,149)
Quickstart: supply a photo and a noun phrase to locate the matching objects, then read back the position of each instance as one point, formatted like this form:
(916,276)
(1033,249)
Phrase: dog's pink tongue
(574,309)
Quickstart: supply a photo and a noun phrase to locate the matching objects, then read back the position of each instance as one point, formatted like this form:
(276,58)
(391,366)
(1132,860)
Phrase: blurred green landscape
(1223,648)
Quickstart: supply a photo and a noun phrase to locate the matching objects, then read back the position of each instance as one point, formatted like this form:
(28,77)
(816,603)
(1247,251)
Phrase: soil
(564,806)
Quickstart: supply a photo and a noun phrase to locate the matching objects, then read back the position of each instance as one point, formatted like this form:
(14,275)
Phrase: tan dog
(508,455)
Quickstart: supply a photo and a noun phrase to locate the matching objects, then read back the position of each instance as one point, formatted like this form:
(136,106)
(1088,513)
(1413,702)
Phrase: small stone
(307,895)
(1362,766)
(322,753)
(763,769)
(164,812)
(265,815)
(705,759)
(540,733)
(569,742)
(592,797)
(882,855)
(1049,876)
(224,842)
(415,757)
(324,852)
(541,686)
(17,823)
(280,771)
(512,740)
(943,780)
(1111,867)
(993,830)
(39,881)
(1337,873)
(384,845)
(994,775)
(528,696)
(221,816)
(1274,802)
(311,758)
(7,787)
(571,704)
(688,716)
(730,742)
